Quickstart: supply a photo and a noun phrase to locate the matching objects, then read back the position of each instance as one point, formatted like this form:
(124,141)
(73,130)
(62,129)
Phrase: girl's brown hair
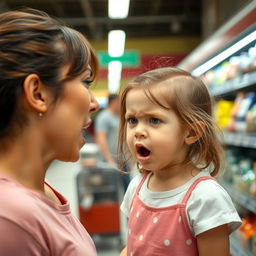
(31,42)
(189,98)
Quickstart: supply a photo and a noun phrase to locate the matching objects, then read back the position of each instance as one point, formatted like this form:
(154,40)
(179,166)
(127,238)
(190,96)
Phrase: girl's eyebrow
(129,114)
(143,113)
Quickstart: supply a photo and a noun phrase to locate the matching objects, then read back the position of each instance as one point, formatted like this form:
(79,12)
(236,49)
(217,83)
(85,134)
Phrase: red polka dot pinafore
(160,231)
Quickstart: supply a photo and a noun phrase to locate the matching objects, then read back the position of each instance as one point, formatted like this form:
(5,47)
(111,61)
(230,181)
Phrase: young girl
(175,206)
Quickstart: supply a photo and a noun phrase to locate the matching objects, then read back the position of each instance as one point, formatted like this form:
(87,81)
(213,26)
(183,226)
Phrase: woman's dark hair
(31,42)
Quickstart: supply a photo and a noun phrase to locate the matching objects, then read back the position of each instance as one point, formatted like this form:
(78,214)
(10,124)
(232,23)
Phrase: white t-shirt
(209,205)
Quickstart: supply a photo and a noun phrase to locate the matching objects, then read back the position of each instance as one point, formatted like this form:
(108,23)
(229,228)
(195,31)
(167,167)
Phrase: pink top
(31,224)
(160,231)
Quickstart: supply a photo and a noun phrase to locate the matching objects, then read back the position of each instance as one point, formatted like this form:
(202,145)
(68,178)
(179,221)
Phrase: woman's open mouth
(86,125)
(83,130)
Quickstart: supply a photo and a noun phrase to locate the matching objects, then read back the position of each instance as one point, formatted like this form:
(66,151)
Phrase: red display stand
(101,218)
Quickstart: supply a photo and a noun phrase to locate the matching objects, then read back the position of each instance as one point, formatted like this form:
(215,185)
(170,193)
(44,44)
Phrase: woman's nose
(94,105)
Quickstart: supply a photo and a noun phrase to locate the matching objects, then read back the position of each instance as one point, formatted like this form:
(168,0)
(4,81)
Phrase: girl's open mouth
(142,151)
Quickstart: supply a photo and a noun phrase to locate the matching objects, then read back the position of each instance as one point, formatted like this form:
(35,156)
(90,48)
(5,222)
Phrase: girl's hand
(124,252)
(214,242)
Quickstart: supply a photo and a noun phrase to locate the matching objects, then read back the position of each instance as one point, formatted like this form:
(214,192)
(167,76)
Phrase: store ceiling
(147,18)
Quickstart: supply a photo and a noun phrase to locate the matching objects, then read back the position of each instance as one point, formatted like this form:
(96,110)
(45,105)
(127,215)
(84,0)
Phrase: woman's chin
(82,141)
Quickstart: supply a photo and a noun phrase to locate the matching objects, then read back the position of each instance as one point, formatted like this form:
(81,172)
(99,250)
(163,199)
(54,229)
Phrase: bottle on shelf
(253,185)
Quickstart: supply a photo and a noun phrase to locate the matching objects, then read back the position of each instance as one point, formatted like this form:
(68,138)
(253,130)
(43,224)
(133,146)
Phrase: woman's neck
(23,162)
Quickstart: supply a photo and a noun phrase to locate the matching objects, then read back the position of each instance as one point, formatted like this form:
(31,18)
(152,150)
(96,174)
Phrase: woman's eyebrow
(89,70)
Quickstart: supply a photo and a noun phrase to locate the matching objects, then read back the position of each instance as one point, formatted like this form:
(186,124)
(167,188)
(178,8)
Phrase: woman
(45,72)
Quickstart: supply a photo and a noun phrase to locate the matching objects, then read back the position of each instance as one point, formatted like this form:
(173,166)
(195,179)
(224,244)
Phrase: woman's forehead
(66,70)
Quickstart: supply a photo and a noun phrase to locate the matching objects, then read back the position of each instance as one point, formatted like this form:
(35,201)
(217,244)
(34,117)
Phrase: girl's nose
(140,132)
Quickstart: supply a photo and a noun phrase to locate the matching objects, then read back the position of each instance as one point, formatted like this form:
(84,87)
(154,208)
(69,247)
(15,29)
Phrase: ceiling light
(116,43)
(118,9)
(224,55)
(114,76)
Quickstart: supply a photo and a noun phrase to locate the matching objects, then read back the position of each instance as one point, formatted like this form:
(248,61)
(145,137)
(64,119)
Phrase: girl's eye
(154,120)
(132,120)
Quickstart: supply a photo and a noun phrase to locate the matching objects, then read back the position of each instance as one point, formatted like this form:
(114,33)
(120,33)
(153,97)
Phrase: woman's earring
(40,114)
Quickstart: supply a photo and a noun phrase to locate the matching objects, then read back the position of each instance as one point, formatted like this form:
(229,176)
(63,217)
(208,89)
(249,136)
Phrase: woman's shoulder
(22,205)
(16,202)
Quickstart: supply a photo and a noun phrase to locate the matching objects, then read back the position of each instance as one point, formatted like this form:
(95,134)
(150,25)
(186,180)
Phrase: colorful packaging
(247,102)
(223,112)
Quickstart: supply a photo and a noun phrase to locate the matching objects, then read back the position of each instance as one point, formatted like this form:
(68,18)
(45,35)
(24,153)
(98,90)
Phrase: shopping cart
(99,196)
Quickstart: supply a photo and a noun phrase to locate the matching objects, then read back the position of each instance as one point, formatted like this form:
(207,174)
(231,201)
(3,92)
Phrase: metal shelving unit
(215,49)
(244,200)
(250,204)
(246,140)
(246,82)
(242,82)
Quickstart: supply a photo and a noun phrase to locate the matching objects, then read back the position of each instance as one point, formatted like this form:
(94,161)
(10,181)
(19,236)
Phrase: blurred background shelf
(247,140)
(244,200)
(244,82)
(236,248)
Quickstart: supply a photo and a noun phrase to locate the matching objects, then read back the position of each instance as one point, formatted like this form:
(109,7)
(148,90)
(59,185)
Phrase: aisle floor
(107,246)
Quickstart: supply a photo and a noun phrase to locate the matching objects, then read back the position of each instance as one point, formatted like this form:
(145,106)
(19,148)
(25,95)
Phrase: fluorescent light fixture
(225,54)
(118,9)
(116,43)
(114,76)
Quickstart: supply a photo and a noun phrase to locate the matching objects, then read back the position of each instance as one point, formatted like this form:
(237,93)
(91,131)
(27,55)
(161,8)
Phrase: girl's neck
(171,178)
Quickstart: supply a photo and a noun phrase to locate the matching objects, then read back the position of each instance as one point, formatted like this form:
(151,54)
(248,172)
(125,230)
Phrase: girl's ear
(195,132)
(35,93)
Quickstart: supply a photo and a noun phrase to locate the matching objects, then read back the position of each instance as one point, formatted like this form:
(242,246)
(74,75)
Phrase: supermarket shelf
(245,201)
(247,140)
(235,247)
(241,82)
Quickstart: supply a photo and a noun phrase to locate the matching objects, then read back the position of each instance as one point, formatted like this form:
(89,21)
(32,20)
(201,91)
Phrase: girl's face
(68,117)
(154,135)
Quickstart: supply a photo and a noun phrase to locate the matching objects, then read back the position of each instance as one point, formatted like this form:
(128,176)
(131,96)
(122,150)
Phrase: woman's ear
(35,93)
(195,132)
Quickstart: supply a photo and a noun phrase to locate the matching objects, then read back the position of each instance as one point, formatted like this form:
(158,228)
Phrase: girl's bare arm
(214,242)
